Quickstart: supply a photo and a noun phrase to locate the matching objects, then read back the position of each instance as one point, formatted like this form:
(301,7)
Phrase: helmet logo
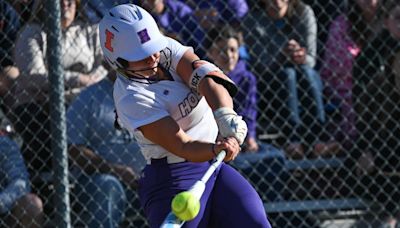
(109,38)
(143,36)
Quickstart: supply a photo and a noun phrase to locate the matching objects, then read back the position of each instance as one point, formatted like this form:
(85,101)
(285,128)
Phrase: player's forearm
(167,134)
(220,101)
(216,94)
(196,151)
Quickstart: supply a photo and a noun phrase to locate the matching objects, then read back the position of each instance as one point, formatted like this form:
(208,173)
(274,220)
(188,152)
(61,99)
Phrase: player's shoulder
(173,43)
(132,92)
(137,105)
(172,53)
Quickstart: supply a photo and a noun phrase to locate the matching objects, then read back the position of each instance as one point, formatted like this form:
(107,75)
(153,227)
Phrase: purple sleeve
(180,20)
(240,7)
(232,10)
(250,111)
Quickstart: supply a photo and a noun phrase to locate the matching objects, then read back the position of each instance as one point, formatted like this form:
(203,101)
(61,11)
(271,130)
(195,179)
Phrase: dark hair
(295,11)
(359,30)
(218,33)
(39,13)
(295,7)
(116,124)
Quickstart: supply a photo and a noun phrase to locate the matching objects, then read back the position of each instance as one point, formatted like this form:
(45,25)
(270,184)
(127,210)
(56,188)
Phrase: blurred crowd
(316,80)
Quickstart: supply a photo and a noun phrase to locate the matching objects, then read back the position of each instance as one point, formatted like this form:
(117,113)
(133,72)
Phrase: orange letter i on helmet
(109,38)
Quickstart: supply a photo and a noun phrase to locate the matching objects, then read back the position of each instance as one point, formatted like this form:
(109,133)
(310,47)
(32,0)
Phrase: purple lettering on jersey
(143,36)
(189,103)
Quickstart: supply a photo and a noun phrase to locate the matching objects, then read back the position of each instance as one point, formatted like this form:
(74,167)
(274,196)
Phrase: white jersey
(139,103)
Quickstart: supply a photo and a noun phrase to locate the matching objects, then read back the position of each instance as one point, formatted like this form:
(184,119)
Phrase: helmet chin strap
(137,77)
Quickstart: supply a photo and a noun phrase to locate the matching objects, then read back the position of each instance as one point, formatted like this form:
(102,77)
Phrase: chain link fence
(319,86)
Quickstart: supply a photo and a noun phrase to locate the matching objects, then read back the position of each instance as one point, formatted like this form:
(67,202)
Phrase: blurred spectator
(282,40)
(369,61)
(24,9)
(177,20)
(94,10)
(325,14)
(8,76)
(222,46)
(109,159)
(348,34)
(81,59)
(377,98)
(223,49)
(214,13)
(18,206)
(9,26)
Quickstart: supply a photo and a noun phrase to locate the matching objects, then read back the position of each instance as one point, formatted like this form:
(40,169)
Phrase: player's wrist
(230,124)
(222,111)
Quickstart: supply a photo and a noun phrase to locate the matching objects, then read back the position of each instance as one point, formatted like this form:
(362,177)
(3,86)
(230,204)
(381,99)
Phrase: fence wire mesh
(319,87)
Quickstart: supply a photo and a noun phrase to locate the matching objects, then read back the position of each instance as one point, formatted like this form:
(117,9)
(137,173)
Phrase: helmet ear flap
(109,62)
(122,62)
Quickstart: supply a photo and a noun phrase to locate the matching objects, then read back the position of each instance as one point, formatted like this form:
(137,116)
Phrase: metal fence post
(57,115)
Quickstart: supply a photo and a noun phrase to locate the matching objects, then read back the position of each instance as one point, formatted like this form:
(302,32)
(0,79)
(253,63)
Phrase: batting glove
(230,124)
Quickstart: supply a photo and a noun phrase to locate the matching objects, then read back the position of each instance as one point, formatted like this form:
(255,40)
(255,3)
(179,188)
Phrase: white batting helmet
(130,33)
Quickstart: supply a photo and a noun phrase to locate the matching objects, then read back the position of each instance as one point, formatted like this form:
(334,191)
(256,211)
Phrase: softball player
(176,105)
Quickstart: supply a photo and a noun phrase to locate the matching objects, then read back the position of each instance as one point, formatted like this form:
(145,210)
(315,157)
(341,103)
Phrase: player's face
(146,67)
(225,54)
(393,22)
